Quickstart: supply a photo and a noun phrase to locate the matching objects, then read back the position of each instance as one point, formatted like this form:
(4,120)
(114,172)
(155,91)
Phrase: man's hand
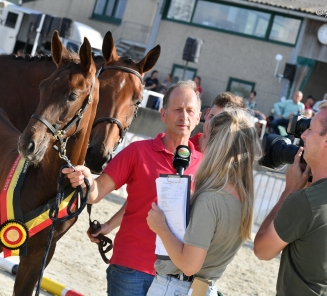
(104,229)
(297,175)
(76,177)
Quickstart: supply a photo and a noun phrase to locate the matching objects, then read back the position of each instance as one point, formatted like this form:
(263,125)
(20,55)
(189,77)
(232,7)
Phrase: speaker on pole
(192,49)
(289,71)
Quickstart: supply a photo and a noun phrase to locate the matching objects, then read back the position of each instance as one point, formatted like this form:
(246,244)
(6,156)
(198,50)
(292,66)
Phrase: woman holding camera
(222,209)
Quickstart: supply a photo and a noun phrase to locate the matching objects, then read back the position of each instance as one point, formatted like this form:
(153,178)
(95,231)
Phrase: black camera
(279,151)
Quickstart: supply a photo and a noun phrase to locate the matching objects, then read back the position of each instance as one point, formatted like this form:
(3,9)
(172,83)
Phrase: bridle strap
(58,134)
(111,120)
(122,131)
(124,69)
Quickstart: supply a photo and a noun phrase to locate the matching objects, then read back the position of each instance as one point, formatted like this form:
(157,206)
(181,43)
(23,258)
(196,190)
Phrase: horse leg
(29,270)
(30,266)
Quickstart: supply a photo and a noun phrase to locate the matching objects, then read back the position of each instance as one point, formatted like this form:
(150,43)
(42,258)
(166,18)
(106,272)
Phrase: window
(11,20)
(109,10)
(181,10)
(178,73)
(236,19)
(285,29)
(231,18)
(240,87)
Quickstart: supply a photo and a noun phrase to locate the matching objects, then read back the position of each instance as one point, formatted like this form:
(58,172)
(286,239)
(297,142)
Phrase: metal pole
(38,32)
(184,70)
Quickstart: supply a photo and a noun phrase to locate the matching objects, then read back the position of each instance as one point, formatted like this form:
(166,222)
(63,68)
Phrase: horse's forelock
(74,57)
(127,60)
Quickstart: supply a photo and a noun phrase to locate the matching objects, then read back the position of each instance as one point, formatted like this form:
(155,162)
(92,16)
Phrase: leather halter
(59,133)
(122,131)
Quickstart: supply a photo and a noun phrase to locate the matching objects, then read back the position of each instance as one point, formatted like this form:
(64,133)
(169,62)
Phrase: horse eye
(72,97)
(137,103)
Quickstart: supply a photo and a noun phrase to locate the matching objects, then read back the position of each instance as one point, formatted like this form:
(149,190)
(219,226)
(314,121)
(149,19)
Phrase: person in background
(225,99)
(131,268)
(166,84)
(297,225)
(151,83)
(20,52)
(285,110)
(252,105)
(315,107)
(250,102)
(310,101)
(197,80)
(221,213)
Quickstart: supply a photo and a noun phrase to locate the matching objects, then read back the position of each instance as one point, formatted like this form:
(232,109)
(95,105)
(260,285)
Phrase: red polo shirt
(139,165)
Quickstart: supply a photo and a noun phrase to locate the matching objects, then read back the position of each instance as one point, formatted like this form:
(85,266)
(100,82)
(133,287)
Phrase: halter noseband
(122,131)
(59,133)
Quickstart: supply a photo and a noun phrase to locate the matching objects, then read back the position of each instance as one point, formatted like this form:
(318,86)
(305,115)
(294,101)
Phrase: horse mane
(48,57)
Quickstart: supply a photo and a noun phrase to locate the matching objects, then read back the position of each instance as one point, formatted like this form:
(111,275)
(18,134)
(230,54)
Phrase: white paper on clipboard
(173,199)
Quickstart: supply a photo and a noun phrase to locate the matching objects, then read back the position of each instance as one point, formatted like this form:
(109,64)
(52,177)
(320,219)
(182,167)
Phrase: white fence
(267,190)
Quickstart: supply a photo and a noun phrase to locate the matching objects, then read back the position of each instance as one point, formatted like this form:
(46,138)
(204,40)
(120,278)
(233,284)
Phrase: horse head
(121,92)
(69,94)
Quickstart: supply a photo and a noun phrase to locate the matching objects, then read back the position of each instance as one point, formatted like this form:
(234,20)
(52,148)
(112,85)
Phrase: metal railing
(267,189)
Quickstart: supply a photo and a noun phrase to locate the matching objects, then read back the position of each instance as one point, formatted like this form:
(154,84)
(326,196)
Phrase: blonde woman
(222,209)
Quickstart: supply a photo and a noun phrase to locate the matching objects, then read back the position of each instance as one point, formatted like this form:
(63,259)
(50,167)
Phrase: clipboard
(173,193)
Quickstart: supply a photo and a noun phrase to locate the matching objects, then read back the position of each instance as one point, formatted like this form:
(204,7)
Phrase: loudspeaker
(289,71)
(192,49)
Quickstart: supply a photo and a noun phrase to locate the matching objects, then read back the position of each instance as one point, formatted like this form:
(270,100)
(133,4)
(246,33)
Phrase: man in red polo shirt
(131,268)
(225,99)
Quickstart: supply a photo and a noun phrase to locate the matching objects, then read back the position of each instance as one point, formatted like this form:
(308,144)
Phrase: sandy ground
(78,265)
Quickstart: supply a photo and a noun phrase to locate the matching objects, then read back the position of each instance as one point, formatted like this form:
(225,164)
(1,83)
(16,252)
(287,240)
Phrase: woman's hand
(156,219)
(76,177)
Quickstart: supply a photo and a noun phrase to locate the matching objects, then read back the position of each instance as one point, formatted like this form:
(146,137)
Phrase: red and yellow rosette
(13,234)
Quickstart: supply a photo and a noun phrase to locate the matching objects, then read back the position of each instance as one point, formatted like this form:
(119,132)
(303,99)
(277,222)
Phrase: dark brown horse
(71,90)
(121,92)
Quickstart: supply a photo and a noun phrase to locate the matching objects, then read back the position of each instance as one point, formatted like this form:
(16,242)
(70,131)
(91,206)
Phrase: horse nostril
(30,147)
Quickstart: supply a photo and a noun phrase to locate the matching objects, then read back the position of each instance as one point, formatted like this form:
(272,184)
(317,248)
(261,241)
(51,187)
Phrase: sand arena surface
(78,265)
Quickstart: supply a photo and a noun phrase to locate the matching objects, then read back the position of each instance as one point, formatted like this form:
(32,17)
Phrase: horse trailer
(26,29)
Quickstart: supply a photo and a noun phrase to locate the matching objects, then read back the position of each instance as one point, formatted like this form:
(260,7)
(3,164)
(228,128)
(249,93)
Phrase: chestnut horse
(121,92)
(71,91)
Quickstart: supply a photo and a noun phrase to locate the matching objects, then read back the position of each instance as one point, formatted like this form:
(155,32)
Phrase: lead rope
(105,243)
(54,211)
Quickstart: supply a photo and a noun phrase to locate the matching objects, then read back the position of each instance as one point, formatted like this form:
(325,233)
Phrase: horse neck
(45,175)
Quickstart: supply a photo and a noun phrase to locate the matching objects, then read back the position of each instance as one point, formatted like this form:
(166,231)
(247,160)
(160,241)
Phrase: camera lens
(297,125)
(278,151)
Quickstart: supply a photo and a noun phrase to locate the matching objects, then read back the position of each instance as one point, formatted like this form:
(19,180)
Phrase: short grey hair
(182,84)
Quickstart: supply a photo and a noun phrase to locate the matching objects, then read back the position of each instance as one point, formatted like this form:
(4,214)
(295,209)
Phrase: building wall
(312,48)
(316,84)
(81,10)
(224,56)
(141,12)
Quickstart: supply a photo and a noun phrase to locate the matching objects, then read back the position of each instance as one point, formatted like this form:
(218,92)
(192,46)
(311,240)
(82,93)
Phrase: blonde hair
(232,148)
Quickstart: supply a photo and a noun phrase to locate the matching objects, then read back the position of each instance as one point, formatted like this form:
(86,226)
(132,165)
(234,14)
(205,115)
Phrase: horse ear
(108,48)
(147,63)
(58,51)
(85,54)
